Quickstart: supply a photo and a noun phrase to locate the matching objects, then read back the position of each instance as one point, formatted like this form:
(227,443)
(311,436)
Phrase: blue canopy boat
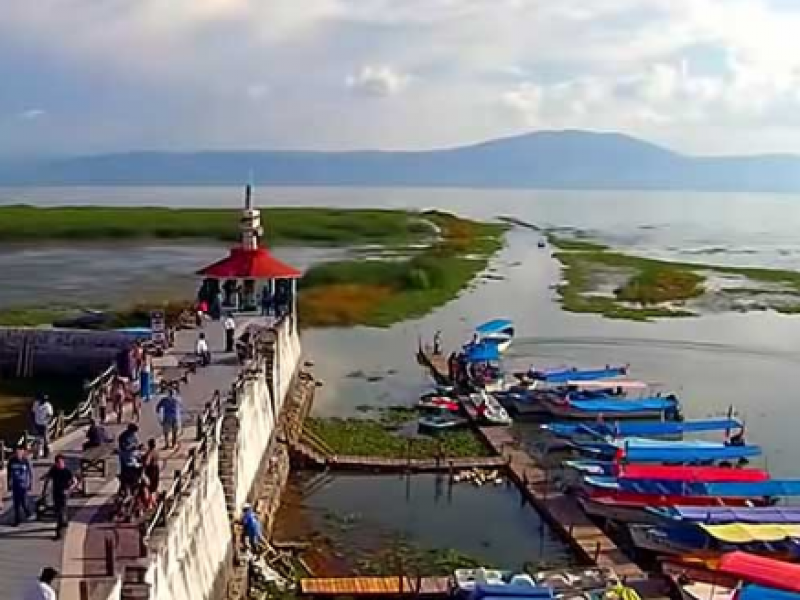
(499,332)
(759,592)
(648,429)
(638,450)
(565,374)
(729,514)
(609,448)
(656,407)
(773,488)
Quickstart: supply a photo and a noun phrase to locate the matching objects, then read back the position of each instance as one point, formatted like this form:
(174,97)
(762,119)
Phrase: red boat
(761,570)
(692,474)
(441,402)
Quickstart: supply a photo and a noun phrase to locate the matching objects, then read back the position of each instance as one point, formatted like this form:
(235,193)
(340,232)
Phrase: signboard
(158,327)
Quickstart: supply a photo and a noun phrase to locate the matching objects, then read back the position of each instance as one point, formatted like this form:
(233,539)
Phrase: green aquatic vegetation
(284,226)
(379,293)
(651,288)
(400,555)
(362,437)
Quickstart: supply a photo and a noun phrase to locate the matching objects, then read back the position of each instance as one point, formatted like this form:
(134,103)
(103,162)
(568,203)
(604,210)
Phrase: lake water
(712,361)
(356,516)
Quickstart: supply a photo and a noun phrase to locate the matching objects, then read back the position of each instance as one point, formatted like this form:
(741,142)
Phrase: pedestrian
(130,458)
(42,588)
(42,417)
(119,392)
(230,332)
(20,482)
(152,468)
(437,343)
(102,403)
(146,377)
(62,482)
(170,408)
(201,349)
(96,435)
(252,531)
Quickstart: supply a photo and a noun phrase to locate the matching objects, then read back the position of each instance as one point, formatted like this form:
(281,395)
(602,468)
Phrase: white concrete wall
(188,563)
(258,411)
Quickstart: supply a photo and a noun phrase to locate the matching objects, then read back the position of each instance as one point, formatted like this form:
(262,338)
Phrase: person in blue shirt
(20,481)
(170,407)
(252,532)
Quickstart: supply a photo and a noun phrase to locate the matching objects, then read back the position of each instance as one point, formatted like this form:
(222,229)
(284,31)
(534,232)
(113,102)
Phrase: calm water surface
(357,515)
(711,361)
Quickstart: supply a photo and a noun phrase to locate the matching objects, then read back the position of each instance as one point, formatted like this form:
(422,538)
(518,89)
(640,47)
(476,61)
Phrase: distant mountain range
(546,159)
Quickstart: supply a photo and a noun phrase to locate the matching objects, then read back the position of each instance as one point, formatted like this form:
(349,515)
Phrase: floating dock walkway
(560,510)
(430,587)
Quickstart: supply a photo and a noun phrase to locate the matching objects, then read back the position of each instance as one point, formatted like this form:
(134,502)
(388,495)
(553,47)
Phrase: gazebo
(250,278)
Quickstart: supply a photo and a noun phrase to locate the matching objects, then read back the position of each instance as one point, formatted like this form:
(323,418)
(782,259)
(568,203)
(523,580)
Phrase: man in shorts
(170,408)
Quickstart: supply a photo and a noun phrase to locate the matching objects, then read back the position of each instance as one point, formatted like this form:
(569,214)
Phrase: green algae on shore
(644,288)
(380,436)
(379,293)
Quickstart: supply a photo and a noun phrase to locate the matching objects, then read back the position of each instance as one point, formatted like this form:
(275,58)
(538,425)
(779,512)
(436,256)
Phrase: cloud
(189,74)
(31,114)
(377,81)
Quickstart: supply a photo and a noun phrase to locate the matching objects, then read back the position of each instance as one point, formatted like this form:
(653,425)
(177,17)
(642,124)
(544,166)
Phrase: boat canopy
(773,487)
(758,592)
(640,428)
(730,514)
(607,384)
(487,591)
(691,474)
(623,406)
(496,326)
(755,489)
(747,533)
(761,570)
(485,351)
(564,375)
(689,455)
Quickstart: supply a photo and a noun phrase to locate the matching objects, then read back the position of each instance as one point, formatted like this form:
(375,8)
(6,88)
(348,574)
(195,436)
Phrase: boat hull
(619,513)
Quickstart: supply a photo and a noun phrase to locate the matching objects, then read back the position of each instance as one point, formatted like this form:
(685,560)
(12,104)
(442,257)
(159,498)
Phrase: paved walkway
(24,550)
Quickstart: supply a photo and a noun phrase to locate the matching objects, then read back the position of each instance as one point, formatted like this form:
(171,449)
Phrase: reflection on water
(357,515)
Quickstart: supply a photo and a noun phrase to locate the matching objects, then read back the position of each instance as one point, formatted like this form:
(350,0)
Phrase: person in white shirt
(201,349)
(42,588)
(42,416)
(230,332)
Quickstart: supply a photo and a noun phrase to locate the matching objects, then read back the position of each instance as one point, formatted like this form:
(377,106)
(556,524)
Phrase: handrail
(170,500)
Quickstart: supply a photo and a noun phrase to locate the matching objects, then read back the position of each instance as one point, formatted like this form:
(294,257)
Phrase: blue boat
(719,515)
(656,407)
(499,332)
(648,429)
(759,592)
(563,375)
(774,488)
(702,450)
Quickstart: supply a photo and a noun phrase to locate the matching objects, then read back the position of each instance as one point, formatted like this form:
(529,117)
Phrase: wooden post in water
(110,556)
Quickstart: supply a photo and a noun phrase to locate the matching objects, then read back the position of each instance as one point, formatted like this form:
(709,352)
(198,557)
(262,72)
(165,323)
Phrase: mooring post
(83,589)
(110,556)
(597,552)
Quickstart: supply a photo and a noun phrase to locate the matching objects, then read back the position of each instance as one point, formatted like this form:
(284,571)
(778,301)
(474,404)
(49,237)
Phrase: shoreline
(601,280)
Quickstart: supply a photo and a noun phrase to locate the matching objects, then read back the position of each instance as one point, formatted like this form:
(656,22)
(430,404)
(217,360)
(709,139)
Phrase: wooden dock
(561,511)
(435,363)
(321,457)
(376,586)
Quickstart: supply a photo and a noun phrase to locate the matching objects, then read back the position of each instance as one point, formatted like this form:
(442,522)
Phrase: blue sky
(701,76)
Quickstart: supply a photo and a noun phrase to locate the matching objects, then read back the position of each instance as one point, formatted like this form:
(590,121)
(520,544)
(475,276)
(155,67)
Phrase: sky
(94,76)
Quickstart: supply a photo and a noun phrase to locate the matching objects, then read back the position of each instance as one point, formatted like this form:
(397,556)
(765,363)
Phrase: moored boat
(440,420)
(489,409)
(499,332)
(657,407)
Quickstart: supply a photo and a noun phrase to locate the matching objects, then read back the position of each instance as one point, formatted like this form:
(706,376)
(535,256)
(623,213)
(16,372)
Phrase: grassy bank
(379,437)
(382,292)
(283,226)
(645,288)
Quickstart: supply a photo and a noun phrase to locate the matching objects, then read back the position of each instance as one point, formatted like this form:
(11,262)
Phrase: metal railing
(170,500)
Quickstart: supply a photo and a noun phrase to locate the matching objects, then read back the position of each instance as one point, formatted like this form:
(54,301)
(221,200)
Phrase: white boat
(499,332)
(699,590)
(466,579)
(656,540)
(618,512)
(442,420)
(489,409)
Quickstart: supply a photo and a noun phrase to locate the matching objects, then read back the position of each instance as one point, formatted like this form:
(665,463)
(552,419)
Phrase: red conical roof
(250,264)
